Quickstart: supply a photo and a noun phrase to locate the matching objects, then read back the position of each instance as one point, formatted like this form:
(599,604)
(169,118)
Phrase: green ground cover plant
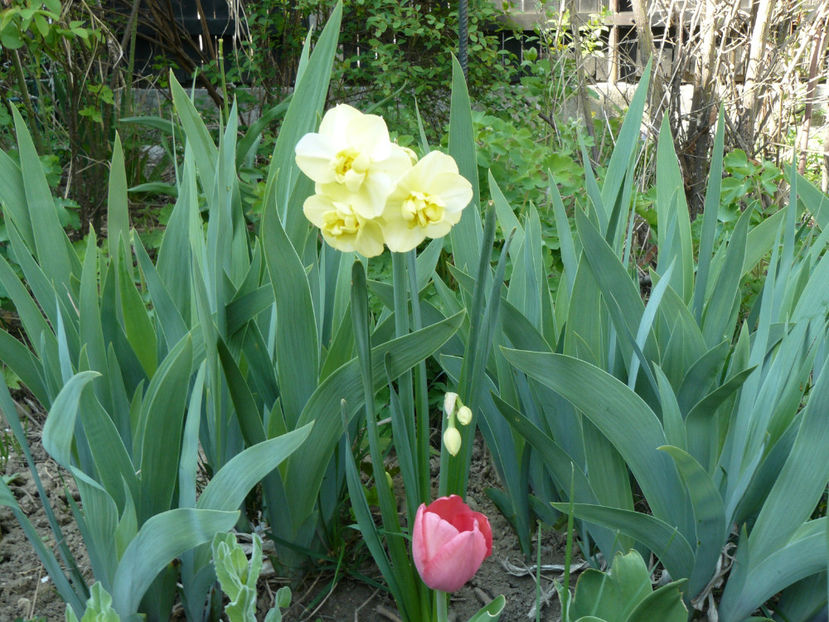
(624,593)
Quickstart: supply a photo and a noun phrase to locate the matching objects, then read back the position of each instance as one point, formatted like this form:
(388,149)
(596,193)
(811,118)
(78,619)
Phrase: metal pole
(463,35)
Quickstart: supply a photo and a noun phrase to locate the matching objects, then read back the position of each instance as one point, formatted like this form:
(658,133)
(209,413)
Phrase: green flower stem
(441,606)
(421,447)
(405,578)
(454,470)
(421,392)
(401,327)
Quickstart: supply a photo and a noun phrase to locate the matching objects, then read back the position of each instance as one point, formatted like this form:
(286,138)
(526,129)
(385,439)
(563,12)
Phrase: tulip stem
(441,606)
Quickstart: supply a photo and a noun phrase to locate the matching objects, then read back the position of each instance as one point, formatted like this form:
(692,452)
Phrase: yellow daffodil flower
(352,160)
(427,202)
(343,227)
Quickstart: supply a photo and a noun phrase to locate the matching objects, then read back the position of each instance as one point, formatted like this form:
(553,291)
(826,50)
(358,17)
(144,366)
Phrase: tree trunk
(757,49)
(613,47)
(815,63)
(647,50)
(695,147)
(575,23)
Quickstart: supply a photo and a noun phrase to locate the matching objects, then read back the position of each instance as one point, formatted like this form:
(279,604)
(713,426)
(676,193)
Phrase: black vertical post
(463,35)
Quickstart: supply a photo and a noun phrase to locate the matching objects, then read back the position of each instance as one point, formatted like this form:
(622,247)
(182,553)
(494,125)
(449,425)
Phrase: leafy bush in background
(64,69)
(391,54)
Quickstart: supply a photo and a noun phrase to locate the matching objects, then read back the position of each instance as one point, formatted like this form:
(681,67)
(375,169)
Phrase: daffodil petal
(369,241)
(342,227)
(315,207)
(314,153)
(336,120)
(454,190)
(368,133)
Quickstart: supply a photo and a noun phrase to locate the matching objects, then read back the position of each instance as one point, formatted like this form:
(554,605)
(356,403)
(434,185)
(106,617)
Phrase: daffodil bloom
(343,227)
(426,203)
(352,160)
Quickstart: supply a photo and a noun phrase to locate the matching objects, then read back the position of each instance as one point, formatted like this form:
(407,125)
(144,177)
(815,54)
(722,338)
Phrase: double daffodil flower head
(426,202)
(352,159)
(370,192)
(342,226)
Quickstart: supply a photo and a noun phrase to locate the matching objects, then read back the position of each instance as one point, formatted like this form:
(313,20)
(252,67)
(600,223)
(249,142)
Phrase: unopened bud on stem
(452,441)
(464,415)
(449,402)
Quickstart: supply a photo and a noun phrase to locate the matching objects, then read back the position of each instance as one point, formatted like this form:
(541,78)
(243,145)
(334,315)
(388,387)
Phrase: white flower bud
(464,415)
(452,441)
(449,402)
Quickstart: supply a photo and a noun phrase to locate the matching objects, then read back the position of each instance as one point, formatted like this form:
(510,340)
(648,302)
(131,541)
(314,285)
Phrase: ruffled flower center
(350,168)
(421,209)
(340,221)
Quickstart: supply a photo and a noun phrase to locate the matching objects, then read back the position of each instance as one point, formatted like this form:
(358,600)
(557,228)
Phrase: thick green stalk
(401,562)
(223,78)
(401,326)
(421,393)
(441,606)
(27,102)
(417,413)
(454,471)
(538,573)
(568,548)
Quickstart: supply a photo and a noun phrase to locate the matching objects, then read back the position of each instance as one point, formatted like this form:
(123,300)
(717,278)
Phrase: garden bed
(26,592)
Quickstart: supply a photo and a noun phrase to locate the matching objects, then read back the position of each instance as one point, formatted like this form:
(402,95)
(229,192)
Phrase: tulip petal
(454,510)
(450,507)
(456,561)
(449,543)
(418,544)
(438,533)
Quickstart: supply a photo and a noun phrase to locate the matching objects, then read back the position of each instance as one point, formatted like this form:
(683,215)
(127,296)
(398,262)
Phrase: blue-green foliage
(682,390)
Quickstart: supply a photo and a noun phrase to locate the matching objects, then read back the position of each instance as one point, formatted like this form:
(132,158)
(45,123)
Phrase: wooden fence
(620,46)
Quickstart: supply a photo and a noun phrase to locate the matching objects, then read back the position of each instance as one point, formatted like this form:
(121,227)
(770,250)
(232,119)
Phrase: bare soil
(26,592)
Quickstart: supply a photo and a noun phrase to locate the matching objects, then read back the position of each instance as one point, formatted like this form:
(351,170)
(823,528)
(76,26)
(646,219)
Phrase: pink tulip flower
(449,543)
